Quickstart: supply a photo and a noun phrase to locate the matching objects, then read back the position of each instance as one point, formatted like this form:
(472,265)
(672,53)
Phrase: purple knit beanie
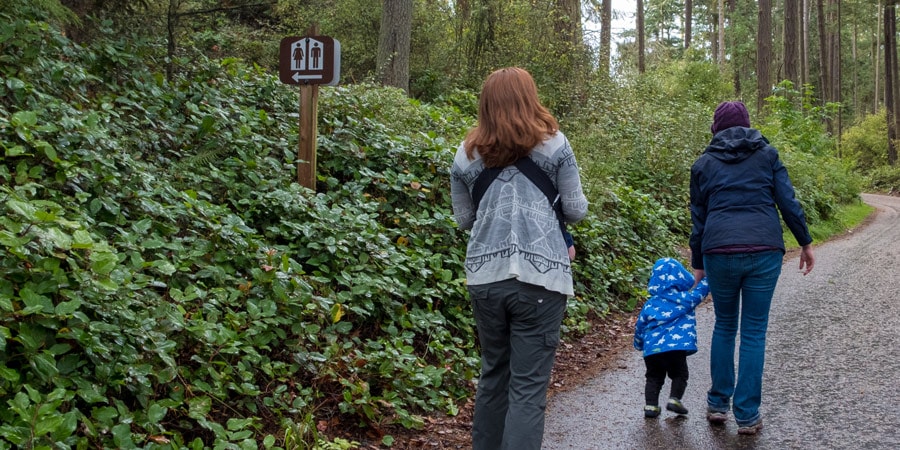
(730,114)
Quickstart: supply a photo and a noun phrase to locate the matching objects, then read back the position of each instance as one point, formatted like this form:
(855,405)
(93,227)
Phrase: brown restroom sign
(309,60)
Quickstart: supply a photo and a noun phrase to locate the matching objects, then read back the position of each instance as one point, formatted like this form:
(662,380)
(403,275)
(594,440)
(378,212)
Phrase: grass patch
(848,216)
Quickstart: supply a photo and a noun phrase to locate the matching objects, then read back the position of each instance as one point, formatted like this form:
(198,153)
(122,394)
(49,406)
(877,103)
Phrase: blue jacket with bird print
(667,320)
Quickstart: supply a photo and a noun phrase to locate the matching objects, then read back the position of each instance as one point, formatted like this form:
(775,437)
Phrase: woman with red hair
(518,270)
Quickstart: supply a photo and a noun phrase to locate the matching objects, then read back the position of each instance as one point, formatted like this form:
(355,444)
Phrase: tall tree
(890,76)
(791,41)
(834,51)
(763,54)
(721,47)
(804,42)
(640,35)
(836,62)
(824,75)
(568,22)
(394,43)
(876,56)
(605,37)
(688,20)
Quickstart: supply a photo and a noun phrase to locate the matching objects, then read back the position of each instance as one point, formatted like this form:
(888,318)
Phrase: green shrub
(822,180)
(865,143)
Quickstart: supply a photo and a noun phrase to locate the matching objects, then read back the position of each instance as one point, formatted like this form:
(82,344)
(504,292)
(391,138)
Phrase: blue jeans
(518,329)
(741,286)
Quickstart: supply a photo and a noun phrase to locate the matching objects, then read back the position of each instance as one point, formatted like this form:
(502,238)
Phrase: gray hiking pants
(518,329)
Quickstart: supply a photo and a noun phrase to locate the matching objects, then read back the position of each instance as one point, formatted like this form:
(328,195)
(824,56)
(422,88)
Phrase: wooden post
(306,168)
(309,109)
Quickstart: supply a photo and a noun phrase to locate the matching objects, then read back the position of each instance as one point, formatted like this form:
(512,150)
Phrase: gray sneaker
(751,429)
(716,417)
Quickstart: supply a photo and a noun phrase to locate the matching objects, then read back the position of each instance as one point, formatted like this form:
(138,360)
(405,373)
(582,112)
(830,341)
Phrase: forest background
(166,282)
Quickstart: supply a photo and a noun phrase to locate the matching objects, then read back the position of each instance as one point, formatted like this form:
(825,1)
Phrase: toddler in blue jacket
(666,332)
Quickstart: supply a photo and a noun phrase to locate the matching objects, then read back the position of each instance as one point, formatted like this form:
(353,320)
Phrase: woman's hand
(807,260)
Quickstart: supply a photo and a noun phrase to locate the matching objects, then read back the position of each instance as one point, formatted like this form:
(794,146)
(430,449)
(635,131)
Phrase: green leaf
(102,263)
(106,415)
(198,407)
(16,435)
(9,374)
(238,424)
(35,302)
(82,239)
(45,365)
(48,423)
(156,413)
(91,394)
(59,238)
(23,209)
(16,150)
(48,150)
(67,308)
(122,436)
(164,267)
(24,118)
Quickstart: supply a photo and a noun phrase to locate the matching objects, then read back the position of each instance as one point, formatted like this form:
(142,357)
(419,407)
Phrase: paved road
(832,377)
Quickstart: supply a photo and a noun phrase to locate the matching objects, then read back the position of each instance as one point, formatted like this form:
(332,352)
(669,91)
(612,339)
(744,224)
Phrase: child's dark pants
(673,364)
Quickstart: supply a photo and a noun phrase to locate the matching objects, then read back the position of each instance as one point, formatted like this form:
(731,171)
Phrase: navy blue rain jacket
(736,185)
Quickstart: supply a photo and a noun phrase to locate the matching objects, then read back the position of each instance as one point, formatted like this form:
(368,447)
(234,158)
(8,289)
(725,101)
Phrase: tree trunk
(721,46)
(836,62)
(876,55)
(605,38)
(394,43)
(825,87)
(835,50)
(640,35)
(791,42)
(171,26)
(688,20)
(804,42)
(568,22)
(763,55)
(890,54)
(854,56)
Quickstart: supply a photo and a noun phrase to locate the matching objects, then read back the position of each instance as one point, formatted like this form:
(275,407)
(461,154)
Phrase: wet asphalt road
(832,376)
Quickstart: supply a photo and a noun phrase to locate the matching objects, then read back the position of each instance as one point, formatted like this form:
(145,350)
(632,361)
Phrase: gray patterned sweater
(515,232)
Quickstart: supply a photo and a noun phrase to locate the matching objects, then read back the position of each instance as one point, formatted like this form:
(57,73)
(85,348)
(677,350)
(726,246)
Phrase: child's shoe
(675,406)
(716,417)
(752,428)
(651,411)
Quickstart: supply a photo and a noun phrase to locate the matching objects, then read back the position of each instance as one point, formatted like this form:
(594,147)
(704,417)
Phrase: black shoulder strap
(531,171)
(540,179)
(484,180)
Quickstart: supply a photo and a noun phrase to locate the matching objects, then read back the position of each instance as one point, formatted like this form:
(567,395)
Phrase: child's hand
(572,253)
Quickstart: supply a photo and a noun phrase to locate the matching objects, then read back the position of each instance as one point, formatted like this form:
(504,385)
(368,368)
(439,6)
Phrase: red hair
(511,119)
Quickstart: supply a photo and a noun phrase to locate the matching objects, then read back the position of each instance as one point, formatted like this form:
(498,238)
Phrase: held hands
(807,260)
(699,274)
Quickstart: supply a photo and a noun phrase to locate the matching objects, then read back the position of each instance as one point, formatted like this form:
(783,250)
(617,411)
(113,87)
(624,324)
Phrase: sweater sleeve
(460,195)
(568,183)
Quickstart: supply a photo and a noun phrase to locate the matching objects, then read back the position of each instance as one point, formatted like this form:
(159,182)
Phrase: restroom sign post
(305,60)
(309,61)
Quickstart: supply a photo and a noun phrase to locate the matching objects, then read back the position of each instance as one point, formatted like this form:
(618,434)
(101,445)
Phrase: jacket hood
(736,144)
(669,275)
